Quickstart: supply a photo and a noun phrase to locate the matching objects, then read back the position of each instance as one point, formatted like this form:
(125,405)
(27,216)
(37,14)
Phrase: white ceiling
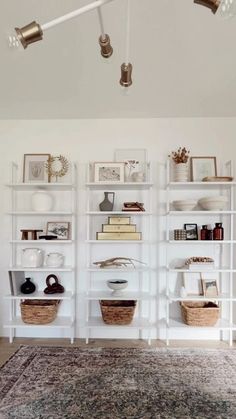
(184,62)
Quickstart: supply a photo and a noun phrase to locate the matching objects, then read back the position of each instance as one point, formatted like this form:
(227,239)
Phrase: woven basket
(196,313)
(117,312)
(39,311)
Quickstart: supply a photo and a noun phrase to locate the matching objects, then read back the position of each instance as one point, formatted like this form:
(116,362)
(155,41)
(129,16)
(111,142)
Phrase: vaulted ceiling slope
(183,56)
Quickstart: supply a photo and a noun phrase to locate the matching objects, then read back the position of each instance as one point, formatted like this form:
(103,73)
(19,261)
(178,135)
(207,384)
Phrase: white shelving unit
(139,278)
(221,249)
(25,218)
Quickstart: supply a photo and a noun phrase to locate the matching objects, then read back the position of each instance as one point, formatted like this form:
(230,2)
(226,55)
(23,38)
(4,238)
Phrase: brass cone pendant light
(29,34)
(126,67)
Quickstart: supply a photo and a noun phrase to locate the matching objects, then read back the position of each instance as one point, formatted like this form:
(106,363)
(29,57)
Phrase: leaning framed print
(34,169)
(202,167)
(109,172)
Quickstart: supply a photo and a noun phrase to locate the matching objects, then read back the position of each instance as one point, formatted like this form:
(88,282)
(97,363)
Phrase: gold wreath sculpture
(57,173)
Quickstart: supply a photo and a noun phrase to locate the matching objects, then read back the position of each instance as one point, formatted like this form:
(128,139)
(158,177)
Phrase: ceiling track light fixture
(34,32)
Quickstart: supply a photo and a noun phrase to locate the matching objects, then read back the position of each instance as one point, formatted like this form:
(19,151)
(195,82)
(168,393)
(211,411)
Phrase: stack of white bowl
(213,203)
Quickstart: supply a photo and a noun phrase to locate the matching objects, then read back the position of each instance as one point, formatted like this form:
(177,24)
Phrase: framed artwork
(202,167)
(193,283)
(191,231)
(34,169)
(61,229)
(109,172)
(209,285)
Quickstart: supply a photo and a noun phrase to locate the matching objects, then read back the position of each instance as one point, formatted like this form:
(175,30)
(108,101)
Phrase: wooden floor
(7,349)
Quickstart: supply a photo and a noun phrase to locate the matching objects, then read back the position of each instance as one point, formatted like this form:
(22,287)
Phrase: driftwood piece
(117,262)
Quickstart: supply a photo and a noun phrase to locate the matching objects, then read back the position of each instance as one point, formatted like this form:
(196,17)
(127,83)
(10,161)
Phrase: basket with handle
(198,313)
(118,312)
(39,311)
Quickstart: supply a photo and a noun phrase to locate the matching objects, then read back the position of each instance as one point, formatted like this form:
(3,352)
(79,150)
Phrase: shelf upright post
(150,224)
(167,239)
(74,182)
(230,164)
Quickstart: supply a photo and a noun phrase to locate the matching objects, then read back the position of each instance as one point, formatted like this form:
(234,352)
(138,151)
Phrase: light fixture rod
(74,14)
(103,35)
(127,52)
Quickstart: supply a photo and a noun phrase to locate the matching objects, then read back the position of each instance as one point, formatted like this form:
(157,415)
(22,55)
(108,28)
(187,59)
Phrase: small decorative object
(119,220)
(117,262)
(29,234)
(48,237)
(32,258)
(180,158)
(54,260)
(57,166)
(184,205)
(41,201)
(209,285)
(61,229)
(34,168)
(191,231)
(202,167)
(55,287)
(183,292)
(130,169)
(193,283)
(218,232)
(133,206)
(198,313)
(119,312)
(199,263)
(119,228)
(117,286)
(28,287)
(132,154)
(213,203)
(180,234)
(106,204)
(138,177)
(204,232)
(218,179)
(39,311)
(108,172)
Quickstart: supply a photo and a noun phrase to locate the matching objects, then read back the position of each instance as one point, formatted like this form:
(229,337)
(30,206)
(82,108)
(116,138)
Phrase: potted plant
(180,159)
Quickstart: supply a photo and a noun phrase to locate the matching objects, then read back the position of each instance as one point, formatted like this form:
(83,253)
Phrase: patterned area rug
(73,383)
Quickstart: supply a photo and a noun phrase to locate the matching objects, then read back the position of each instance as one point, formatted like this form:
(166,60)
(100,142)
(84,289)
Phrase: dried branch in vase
(118,262)
(181,155)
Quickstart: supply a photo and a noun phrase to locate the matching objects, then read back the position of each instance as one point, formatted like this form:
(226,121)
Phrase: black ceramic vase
(28,287)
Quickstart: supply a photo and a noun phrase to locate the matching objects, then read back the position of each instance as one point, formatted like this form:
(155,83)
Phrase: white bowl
(117,285)
(184,205)
(213,203)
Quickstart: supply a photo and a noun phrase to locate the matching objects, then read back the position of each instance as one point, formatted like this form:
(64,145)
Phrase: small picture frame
(202,167)
(34,168)
(61,229)
(193,283)
(209,285)
(109,172)
(191,231)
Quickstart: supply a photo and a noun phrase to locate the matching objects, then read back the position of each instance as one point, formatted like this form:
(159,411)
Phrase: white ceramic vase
(54,260)
(181,172)
(41,201)
(32,258)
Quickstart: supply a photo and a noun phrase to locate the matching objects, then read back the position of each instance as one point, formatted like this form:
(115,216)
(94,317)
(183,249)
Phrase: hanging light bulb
(126,67)
(29,34)
(104,39)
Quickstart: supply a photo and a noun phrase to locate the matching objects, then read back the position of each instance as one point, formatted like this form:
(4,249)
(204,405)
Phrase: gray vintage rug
(73,383)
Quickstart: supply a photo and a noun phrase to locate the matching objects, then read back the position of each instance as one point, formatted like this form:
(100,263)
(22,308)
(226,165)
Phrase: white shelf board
(124,213)
(97,322)
(107,295)
(123,185)
(59,322)
(222,324)
(220,297)
(116,241)
(201,184)
(214,270)
(226,212)
(43,269)
(129,270)
(25,242)
(51,186)
(200,242)
(51,213)
(39,295)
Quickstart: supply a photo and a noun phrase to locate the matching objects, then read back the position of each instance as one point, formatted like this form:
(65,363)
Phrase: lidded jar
(204,232)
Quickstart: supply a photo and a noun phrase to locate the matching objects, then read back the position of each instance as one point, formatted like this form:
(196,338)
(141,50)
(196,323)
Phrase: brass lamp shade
(126,75)
(211,4)
(29,34)
(105,44)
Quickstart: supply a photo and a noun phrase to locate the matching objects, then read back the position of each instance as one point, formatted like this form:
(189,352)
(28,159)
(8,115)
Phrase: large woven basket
(117,312)
(39,311)
(197,313)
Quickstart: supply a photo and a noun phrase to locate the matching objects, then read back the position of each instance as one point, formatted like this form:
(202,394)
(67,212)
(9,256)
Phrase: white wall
(85,140)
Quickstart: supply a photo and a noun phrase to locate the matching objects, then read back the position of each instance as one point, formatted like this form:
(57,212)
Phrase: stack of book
(119,228)
(133,206)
